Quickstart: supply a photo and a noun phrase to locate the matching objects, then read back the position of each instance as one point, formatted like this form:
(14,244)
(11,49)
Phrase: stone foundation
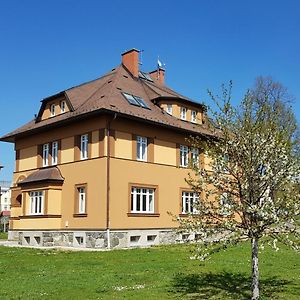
(98,239)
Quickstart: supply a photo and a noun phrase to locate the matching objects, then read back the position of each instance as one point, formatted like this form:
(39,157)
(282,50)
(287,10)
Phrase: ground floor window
(189,199)
(142,200)
(82,200)
(36,202)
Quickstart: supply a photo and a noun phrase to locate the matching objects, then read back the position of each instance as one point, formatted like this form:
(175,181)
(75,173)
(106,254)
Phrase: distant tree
(248,191)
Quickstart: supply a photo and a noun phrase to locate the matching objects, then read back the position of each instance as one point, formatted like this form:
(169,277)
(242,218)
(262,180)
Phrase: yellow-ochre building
(104,162)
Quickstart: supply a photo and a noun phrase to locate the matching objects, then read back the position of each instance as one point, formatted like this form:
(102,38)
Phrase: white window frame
(36,203)
(183,111)
(225,207)
(142,200)
(195,156)
(54,153)
(170,109)
(82,200)
(52,110)
(187,200)
(141,148)
(63,106)
(84,142)
(184,156)
(194,116)
(46,155)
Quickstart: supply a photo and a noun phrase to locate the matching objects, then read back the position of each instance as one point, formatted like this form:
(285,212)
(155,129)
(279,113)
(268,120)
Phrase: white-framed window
(54,153)
(184,156)
(62,106)
(142,200)
(182,113)
(169,109)
(195,156)
(189,199)
(52,110)
(194,116)
(84,140)
(36,202)
(141,148)
(81,200)
(225,206)
(45,155)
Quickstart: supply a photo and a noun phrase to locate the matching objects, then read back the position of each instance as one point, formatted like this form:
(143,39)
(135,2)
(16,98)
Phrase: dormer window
(194,116)
(62,106)
(183,113)
(52,110)
(169,109)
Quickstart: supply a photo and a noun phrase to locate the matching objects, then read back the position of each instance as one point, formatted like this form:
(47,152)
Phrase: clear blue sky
(48,46)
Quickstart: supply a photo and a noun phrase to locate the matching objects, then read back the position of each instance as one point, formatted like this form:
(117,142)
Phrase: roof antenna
(160,65)
(141,57)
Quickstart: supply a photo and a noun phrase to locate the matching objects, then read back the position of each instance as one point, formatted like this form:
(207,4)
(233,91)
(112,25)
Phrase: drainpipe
(108,181)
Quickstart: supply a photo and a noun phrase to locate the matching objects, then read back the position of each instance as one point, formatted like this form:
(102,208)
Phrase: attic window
(135,100)
(63,106)
(52,110)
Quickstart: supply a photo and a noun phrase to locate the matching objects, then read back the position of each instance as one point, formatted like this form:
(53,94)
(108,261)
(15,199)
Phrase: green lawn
(153,273)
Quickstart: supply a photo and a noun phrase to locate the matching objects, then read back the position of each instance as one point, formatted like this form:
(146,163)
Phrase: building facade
(5,202)
(104,163)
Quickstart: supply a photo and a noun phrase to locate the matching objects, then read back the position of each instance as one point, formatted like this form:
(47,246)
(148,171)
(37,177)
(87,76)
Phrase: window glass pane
(141,102)
(138,200)
(144,202)
(131,99)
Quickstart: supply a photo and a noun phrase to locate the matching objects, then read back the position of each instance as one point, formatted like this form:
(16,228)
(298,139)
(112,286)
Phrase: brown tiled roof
(104,94)
(47,174)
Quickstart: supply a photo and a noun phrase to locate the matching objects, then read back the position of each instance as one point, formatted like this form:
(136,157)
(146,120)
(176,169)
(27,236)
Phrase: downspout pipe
(108,181)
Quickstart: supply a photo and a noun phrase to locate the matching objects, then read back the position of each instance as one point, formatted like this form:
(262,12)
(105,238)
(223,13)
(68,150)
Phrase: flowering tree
(248,188)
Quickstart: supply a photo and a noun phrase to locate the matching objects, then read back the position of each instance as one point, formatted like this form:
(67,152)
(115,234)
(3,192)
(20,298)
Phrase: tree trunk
(255,272)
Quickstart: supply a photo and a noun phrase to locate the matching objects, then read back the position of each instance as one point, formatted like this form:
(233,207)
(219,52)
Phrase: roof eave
(12,138)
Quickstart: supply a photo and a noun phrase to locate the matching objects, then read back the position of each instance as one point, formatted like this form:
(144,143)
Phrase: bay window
(36,202)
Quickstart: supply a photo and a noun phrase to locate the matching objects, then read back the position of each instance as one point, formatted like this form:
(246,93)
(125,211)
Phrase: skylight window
(145,76)
(141,102)
(135,100)
(131,99)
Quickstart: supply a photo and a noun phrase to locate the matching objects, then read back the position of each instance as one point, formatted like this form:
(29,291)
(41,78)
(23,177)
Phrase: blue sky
(48,46)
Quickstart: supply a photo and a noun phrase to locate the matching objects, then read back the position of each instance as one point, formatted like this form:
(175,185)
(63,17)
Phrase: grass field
(153,273)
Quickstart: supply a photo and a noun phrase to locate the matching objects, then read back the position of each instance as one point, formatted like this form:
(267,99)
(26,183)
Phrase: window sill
(39,216)
(79,215)
(184,215)
(143,214)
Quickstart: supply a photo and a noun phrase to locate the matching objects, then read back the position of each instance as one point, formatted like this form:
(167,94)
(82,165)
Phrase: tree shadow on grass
(226,286)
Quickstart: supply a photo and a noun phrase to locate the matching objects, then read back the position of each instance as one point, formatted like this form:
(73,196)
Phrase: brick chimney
(158,75)
(130,59)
